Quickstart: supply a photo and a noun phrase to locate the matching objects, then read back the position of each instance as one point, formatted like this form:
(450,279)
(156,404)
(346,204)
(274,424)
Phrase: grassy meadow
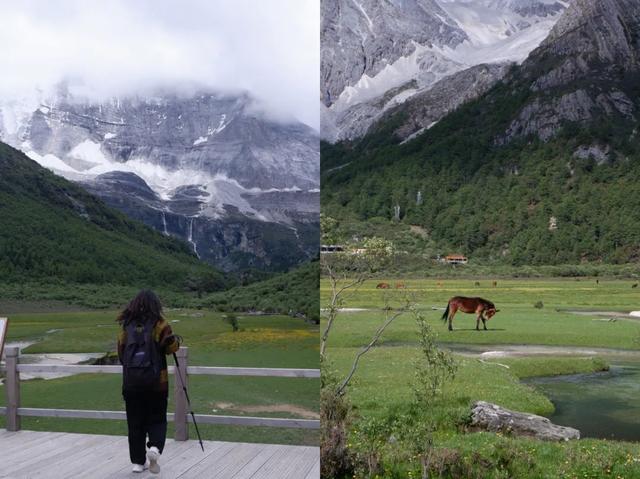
(382,385)
(518,321)
(262,341)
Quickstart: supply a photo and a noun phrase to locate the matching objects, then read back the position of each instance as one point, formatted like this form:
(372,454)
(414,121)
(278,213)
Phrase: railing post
(181,409)
(12,387)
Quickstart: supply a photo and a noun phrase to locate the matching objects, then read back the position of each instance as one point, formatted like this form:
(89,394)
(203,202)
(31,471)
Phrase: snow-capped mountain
(211,168)
(377,55)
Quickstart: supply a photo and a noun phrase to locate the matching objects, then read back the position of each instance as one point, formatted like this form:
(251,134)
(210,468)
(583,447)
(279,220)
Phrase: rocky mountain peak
(585,69)
(377,55)
(361,37)
(604,29)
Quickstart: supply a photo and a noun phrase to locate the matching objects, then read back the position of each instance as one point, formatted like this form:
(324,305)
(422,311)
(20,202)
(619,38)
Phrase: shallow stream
(602,405)
(63,359)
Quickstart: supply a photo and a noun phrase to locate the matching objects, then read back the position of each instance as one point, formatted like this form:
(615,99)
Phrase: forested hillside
(51,230)
(293,292)
(542,169)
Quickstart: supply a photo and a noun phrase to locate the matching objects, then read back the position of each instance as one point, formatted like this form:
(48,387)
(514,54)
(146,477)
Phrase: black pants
(146,415)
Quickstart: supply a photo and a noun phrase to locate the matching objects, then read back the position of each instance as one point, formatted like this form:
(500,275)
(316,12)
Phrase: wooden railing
(13,411)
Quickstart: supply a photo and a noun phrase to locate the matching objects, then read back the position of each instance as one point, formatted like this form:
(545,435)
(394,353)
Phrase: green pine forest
(289,293)
(488,199)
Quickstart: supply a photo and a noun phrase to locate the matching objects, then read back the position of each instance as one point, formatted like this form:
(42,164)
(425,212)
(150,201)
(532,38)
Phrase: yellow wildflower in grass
(249,337)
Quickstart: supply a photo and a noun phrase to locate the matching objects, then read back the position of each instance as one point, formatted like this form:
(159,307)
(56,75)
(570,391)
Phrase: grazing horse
(483,309)
(400,286)
(383,286)
(477,283)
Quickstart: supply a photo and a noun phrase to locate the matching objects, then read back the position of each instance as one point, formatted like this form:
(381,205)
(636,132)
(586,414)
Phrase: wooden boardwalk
(58,455)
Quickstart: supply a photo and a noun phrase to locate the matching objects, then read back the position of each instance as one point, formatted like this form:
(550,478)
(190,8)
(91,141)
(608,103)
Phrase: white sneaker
(153,455)
(137,468)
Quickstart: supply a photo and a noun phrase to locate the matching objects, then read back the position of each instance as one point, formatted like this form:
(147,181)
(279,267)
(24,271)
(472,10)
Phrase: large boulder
(491,417)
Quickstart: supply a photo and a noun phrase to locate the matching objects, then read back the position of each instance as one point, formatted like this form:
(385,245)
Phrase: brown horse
(383,286)
(400,286)
(483,309)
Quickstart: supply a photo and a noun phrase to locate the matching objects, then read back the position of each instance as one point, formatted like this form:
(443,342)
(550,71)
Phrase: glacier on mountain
(197,167)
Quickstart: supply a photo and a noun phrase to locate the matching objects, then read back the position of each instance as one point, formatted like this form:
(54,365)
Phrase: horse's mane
(487,302)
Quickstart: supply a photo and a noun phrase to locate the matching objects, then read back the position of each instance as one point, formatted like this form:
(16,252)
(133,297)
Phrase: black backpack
(141,359)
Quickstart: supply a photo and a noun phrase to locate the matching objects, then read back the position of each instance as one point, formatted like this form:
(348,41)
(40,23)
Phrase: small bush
(370,437)
(232,319)
(538,305)
(445,462)
(336,460)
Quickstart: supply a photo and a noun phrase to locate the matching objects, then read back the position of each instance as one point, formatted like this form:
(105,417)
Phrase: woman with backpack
(144,341)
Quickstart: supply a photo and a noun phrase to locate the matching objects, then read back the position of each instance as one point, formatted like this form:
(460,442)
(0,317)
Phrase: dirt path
(287,408)
(349,310)
(525,350)
(605,315)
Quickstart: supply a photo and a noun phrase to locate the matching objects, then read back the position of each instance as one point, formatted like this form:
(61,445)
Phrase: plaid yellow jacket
(165,341)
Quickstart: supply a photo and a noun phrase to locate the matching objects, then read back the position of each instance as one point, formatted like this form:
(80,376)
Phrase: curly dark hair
(146,306)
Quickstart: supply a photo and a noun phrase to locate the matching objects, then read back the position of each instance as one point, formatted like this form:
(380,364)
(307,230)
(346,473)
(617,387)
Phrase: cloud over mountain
(121,48)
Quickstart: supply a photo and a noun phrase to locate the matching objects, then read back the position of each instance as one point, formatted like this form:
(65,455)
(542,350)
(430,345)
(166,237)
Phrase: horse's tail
(445,315)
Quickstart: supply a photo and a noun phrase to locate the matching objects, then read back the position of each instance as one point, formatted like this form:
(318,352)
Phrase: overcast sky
(115,47)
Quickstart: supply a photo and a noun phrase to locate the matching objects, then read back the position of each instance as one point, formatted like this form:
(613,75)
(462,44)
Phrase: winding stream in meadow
(50,358)
(602,405)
